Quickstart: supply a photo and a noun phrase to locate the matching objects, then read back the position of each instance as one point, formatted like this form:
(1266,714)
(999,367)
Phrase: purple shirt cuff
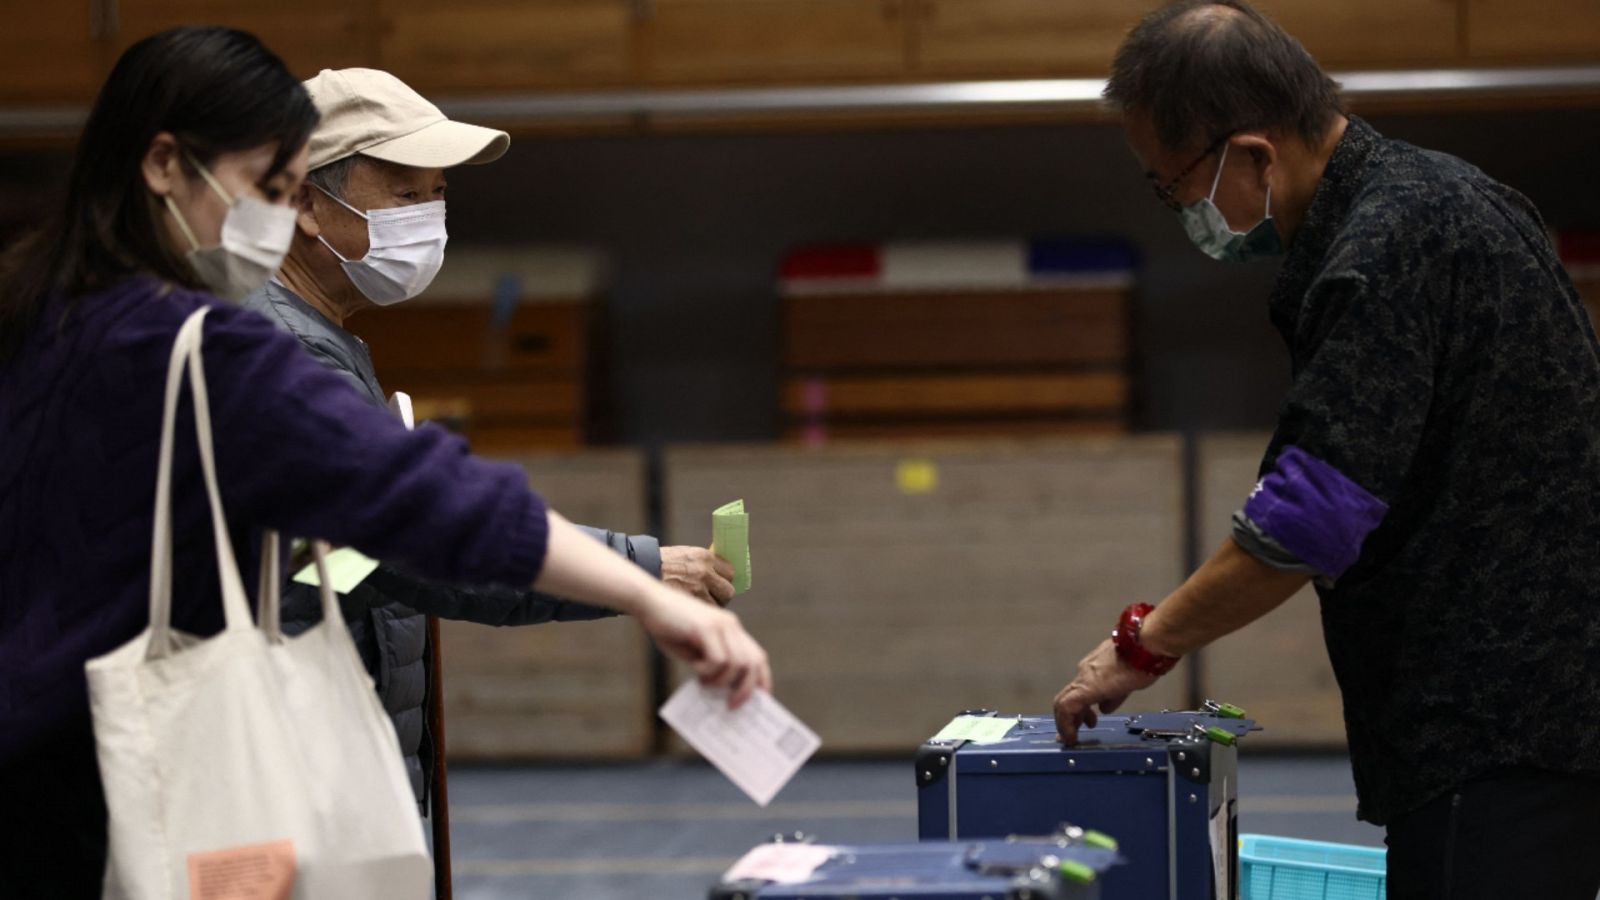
(528,541)
(1312,510)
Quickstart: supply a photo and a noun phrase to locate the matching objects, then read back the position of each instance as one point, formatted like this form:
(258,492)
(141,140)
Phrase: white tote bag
(247,765)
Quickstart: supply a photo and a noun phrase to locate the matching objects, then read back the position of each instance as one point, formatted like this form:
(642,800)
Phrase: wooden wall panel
(848,397)
(1364,34)
(310,35)
(52,53)
(507,45)
(1065,327)
(48,53)
(562,690)
(1021,38)
(895,585)
(1038,38)
(539,339)
(1549,31)
(516,387)
(765,41)
(1276,668)
(826,432)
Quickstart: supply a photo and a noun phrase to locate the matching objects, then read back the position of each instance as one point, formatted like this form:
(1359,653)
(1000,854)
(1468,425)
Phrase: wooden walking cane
(439,804)
(439,793)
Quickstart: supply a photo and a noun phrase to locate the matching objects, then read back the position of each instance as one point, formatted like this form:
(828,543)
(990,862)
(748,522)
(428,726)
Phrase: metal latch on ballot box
(1202,732)
(1037,869)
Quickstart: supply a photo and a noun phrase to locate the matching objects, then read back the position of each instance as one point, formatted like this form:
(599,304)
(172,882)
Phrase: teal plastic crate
(1278,868)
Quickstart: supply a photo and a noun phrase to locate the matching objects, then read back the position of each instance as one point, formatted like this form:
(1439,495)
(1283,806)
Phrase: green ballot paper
(346,569)
(730,539)
(977,729)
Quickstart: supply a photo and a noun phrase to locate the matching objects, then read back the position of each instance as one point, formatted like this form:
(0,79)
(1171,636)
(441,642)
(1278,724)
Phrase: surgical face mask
(1209,229)
(405,248)
(255,238)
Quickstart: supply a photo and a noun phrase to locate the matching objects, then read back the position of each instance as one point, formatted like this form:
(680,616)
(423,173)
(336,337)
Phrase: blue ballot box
(1066,865)
(1165,784)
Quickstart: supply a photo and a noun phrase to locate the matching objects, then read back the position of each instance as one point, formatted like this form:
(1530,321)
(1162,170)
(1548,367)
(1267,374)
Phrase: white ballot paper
(759,746)
(1220,851)
(780,863)
(400,405)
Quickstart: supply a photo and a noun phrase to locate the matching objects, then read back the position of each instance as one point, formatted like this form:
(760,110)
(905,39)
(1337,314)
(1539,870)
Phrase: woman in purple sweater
(179,193)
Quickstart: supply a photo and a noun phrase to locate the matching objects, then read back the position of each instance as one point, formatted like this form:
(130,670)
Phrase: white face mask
(1208,228)
(405,248)
(255,238)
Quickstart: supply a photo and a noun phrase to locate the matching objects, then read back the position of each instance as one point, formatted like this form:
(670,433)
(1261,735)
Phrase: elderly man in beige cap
(371,232)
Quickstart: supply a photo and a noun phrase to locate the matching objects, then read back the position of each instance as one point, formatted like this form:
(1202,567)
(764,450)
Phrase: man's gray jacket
(387,611)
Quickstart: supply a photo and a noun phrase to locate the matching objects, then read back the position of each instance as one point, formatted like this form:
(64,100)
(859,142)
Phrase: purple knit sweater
(297,450)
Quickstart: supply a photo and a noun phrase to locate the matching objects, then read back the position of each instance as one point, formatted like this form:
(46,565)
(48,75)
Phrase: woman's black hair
(216,90)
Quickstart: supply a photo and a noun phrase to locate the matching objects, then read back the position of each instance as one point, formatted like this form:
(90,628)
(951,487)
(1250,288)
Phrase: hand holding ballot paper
(759,745)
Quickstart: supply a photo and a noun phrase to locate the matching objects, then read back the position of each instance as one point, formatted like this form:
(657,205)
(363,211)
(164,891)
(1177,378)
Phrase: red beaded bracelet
(1126,638)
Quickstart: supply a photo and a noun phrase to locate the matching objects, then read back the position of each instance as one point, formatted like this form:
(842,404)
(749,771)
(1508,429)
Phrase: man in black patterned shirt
(1435,468)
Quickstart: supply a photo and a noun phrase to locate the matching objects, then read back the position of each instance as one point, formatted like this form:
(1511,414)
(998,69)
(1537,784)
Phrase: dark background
(695,224)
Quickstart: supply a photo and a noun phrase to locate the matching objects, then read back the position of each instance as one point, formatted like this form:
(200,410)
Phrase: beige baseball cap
(371,112)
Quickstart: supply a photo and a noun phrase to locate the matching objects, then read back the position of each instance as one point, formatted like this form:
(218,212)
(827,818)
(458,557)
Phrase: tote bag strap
(268,586)
(235,606)
(269,591)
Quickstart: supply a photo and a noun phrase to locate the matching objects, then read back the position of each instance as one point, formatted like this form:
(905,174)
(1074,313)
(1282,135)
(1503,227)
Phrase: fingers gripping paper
(730,539)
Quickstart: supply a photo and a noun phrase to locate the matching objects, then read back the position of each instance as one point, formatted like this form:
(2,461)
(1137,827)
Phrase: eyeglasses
(1167,193)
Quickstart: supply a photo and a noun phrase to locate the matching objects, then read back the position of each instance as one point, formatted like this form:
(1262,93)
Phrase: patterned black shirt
(1444,366)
